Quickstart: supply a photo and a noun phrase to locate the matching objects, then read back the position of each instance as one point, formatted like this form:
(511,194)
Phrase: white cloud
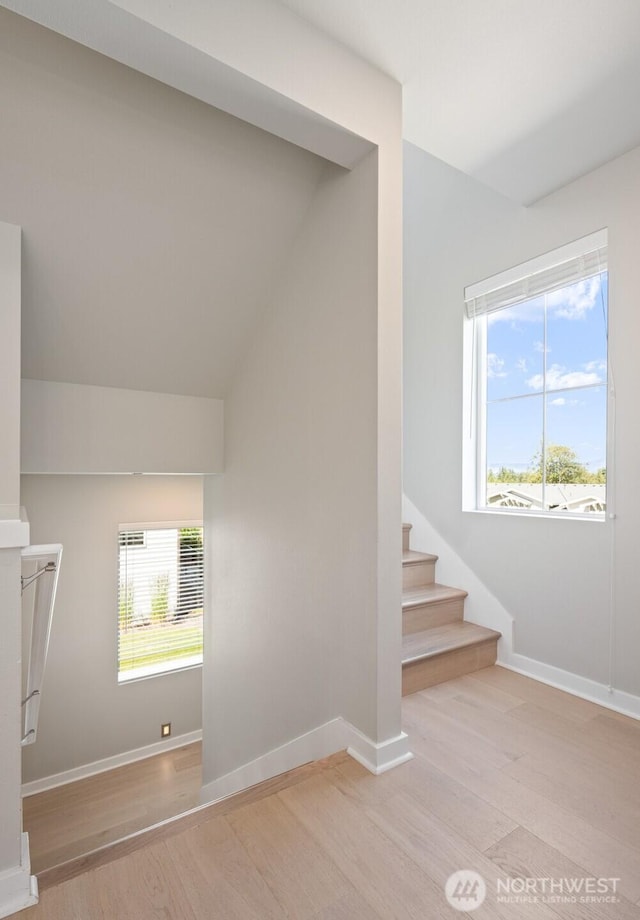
(530,311)
(558,378)
(571,302)
(574,302)
(521,365)
(561,401)
(595,366)
(539,346)
(495,366)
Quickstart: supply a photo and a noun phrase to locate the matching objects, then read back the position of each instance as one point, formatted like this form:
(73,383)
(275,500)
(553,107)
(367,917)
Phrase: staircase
(437,642)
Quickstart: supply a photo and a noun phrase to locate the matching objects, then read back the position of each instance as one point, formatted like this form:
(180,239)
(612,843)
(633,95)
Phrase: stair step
(430,606)
(418,569)
(406,530)
(432,642)
(435,655)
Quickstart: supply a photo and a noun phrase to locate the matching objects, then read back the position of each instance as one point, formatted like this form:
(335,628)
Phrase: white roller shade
(574,262)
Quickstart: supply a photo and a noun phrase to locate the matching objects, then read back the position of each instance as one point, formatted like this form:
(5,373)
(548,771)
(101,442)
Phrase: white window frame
(516,283)
(127,677)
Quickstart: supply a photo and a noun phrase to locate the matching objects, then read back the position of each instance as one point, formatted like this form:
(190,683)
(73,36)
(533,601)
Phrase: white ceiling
(525,95)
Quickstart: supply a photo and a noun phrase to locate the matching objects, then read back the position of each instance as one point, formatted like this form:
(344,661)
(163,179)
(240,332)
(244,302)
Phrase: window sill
(131,677)
(596,517)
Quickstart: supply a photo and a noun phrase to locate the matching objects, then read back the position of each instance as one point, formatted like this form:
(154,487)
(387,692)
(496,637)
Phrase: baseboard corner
(378,757)
(18,888)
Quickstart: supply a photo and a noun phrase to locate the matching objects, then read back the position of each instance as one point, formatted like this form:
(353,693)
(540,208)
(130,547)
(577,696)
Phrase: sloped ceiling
(154,226)
(525,95)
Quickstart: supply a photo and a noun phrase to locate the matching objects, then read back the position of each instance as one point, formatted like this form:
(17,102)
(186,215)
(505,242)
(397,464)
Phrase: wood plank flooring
(511,778)
(80,817)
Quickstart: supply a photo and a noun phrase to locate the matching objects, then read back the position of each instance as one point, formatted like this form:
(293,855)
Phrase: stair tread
(430,594)
(440,639)
(410,557)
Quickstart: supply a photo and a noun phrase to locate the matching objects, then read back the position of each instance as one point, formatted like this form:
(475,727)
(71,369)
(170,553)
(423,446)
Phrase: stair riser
(417,574)
(419,675)
(427,616)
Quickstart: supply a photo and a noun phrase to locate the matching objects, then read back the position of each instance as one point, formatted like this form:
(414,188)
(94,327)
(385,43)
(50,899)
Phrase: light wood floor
(510,778)
(75,819)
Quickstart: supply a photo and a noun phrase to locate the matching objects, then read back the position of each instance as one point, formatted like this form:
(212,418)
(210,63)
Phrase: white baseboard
(378,758)
(18,888)
(109,763)
(625,703)
(320,742)
(327,739)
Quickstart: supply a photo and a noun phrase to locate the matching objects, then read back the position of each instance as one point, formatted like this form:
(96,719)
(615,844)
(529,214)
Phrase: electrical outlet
(165,730)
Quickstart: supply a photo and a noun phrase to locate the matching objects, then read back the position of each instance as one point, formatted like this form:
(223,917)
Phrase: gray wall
(153,224)
(156,232)
(553,576)
(292,617)
(85,715)
(154,228)
(236,243)
(75,428)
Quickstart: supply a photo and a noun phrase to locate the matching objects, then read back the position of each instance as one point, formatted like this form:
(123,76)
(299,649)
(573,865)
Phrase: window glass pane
(540,372)
(132,538)
(577,335)
(160,600)
(515,346)
(514,436)
(577,449)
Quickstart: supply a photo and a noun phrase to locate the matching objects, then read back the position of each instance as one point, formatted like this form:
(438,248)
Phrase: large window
(160,598)
(536,363)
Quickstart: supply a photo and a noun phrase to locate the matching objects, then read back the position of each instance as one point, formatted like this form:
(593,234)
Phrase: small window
(132,538)
(160,598)
(536,385)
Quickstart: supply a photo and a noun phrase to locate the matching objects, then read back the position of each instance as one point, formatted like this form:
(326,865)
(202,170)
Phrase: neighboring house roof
(557,497)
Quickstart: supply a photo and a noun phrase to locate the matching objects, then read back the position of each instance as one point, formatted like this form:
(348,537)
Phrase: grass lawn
(141,646)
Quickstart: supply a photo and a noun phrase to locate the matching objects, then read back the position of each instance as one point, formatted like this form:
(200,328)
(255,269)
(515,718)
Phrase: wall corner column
(18,888)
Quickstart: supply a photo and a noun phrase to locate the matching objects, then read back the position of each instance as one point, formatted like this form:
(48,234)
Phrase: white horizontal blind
(575,262)
(160,599)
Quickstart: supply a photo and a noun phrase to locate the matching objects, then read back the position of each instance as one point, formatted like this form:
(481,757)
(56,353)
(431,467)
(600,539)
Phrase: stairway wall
(292,525)
(555,578)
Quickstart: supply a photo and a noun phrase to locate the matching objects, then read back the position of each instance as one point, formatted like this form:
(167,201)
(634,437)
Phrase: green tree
(561,465)
(126,605)
(506,474)
(160,599)
(190,572)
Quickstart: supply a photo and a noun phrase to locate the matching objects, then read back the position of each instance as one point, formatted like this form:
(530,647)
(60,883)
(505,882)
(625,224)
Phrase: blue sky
(573,345)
